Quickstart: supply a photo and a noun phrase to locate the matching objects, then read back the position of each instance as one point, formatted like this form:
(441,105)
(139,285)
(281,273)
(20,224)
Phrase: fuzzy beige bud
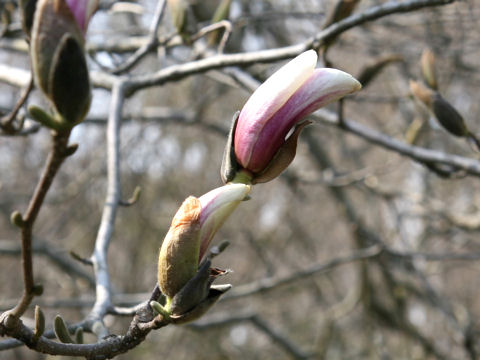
(178,259)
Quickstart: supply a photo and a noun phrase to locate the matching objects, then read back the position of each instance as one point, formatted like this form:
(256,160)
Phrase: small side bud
(429,74)
(39,323)
(449,117)
(17,219)
(221,13)
(61,330)
(422,93)
(79,335)
(37,290)
(71,149)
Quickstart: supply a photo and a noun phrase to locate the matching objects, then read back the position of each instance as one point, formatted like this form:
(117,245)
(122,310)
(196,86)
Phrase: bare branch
(149,45)
(99,257)
(419,154)
(266,284)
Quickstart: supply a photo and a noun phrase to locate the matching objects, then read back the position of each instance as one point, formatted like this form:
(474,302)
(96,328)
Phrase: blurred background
(299,288)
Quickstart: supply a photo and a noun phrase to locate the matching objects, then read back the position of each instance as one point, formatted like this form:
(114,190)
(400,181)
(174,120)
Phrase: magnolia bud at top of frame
(257,144)
(58,57)
(191,231)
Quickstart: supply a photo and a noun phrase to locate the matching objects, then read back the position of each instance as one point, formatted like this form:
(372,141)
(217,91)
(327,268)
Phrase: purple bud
(280,103)
(190,233)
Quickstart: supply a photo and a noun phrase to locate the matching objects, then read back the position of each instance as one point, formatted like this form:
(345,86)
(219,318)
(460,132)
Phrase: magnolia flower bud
(179,277)
(178,259)
(58,58)
(274,110)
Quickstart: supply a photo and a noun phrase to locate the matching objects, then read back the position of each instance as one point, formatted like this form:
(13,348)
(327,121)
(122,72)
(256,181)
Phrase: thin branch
(176,72)
(268,284)
(149,45)
(142,324)
(99,257)
(419,154)
(57,154)
(41,247)
(180,71)
(6,122)
(278,338)
(260,324)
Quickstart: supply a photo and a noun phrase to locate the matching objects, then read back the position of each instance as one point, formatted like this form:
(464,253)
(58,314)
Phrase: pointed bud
(422,93)
(191,231)
(427,63)
(58,58)
(448,116)
(61,330)
(281,102)
(221,13)
(39,323)
(444,112)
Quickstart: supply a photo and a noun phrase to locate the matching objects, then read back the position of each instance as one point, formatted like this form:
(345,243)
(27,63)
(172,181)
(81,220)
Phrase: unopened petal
(217,205)
(323,87)
(178,258)
(82,10)
(268,98)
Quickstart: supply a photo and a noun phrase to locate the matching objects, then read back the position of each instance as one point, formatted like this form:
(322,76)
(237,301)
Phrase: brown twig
(58,153)
(148,46)
(6,122)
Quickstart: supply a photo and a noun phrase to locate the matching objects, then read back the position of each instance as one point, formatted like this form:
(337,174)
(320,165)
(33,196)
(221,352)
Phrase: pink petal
(268,98)
(217,205)
(323,87)
(82,10)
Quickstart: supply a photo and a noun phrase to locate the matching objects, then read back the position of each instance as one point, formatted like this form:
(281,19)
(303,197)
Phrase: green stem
(243,177)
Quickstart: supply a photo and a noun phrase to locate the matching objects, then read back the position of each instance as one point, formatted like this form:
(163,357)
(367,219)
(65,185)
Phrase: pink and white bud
(191,232)
(217,205)
(280,103)
(82,10)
